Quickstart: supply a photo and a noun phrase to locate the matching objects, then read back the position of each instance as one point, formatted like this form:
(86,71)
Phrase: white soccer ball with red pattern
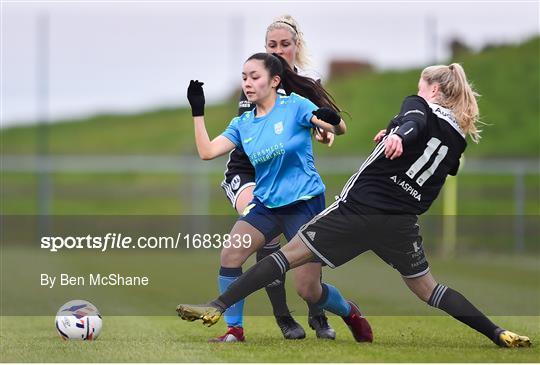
(78,320)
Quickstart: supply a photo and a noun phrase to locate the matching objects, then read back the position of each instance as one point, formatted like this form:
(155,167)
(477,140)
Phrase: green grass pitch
(168,339)
(405,330)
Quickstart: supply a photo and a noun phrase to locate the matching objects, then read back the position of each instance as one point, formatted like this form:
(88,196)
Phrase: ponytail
(456,94)
(294,83)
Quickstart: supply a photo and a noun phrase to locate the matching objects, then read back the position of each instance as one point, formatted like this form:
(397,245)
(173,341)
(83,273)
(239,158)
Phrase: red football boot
(233,334)
(359,326)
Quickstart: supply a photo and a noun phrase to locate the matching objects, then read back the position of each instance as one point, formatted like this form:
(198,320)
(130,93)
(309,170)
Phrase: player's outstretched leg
(456,305)
(257,277)
(262,274)
(511,339)
(208,313)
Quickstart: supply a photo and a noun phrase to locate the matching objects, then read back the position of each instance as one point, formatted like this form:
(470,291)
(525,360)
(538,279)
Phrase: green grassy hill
(506,77)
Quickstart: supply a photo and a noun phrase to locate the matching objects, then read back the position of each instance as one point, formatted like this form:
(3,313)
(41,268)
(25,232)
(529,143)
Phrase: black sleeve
(244,105)
(412,118)
(454,170)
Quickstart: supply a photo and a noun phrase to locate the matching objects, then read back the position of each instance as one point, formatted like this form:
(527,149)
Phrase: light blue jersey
(279,147)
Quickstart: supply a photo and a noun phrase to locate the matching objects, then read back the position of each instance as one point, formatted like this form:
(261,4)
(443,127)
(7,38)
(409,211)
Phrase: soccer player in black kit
(379,206)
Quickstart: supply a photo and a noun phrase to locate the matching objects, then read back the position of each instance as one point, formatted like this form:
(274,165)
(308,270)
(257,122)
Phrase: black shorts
(345,230)
(239,175)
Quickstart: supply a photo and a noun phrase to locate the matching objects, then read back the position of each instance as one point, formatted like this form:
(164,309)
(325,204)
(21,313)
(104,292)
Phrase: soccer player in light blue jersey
(284,37)
(276,136)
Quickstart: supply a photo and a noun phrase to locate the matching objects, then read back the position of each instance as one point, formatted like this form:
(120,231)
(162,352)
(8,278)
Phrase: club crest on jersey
(278,128)
(235,183)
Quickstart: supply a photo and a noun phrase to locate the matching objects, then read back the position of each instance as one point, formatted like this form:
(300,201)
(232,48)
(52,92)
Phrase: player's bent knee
(233,257)
(308,291)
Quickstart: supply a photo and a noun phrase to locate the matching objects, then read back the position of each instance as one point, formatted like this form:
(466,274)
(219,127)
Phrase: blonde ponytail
(456,94)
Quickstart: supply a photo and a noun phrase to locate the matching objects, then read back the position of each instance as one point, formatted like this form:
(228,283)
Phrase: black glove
(327,115)
(195,95)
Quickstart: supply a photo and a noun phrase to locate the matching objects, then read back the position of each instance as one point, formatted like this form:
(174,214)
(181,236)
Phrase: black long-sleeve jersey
(433,143)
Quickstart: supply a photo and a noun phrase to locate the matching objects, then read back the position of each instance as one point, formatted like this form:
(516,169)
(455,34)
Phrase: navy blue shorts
(287,220)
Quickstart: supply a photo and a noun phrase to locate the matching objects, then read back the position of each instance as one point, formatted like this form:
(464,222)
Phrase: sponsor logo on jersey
(267,154)
(311,235)
(422,259)
(278,128)
(235,183)
(447,115)
(406,187)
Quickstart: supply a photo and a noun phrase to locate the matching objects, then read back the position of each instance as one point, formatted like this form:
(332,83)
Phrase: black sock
(456,305)
(258,276)
(314,310)
(276,289)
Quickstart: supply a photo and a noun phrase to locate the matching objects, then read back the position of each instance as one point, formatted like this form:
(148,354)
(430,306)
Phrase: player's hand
(393,148)
(195,95)
(379,136)
(327,115)
(324,137)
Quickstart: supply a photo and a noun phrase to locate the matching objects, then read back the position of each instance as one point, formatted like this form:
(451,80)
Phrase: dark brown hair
(292,82)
